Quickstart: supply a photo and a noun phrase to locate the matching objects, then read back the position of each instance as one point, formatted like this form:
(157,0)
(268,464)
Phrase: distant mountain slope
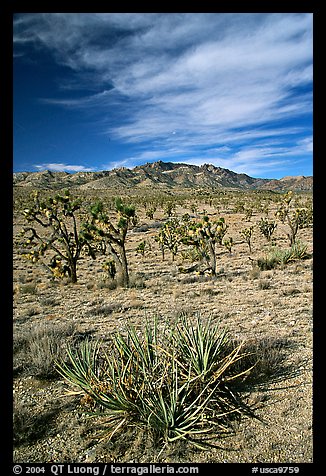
(297,183)
(160,175)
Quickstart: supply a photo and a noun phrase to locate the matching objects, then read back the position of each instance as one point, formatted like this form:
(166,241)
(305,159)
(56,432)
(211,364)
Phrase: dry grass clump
(267,358)
(28,288)
(36,351)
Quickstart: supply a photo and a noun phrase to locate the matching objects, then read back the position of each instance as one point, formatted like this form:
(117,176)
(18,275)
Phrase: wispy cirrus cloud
(172,85)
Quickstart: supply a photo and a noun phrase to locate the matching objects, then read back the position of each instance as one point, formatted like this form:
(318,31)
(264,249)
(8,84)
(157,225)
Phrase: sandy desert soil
(52,427)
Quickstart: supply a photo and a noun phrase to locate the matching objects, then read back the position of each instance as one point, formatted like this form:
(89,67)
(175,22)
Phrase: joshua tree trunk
(212,257)
(120,259)
(73,271)
(124,267)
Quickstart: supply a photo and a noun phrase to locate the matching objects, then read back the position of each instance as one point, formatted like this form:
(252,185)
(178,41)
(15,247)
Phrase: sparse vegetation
(263,300)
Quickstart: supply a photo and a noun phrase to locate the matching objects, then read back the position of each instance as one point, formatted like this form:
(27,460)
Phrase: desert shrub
(290,291)
(23,424)
(31,311)
(177,384)
(49,301)
(298,251)
(264,284)
(102,310)
(107,283)
(137,280)
(267,358)
(28,288)
(29,426)
(266,263)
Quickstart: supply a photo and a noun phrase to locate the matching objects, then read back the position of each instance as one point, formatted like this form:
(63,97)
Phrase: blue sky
(95,91)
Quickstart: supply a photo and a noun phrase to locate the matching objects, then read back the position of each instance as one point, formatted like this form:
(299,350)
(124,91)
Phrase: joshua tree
(247,234)
(63,235)
(267,228)
(296,219)
(113,237)
(203,236)
(150,212)
(169,208)
(228,243)
(169,237)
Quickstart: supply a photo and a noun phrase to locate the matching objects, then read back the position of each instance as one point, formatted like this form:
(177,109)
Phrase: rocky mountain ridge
(166,175)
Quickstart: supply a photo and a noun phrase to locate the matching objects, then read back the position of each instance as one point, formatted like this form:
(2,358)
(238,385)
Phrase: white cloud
(57,167)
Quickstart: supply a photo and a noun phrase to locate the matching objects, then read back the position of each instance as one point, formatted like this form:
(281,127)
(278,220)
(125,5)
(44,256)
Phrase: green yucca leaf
(83,367)
(201,344)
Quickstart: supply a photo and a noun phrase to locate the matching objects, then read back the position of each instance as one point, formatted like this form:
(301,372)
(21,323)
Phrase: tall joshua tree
(112,238)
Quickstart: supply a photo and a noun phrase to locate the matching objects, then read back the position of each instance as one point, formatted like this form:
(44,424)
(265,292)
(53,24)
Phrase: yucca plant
(176,412)
(175,384)
(277,256)
(298,250)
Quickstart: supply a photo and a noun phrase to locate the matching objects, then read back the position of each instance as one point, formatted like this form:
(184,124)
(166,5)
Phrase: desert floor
(274,304)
